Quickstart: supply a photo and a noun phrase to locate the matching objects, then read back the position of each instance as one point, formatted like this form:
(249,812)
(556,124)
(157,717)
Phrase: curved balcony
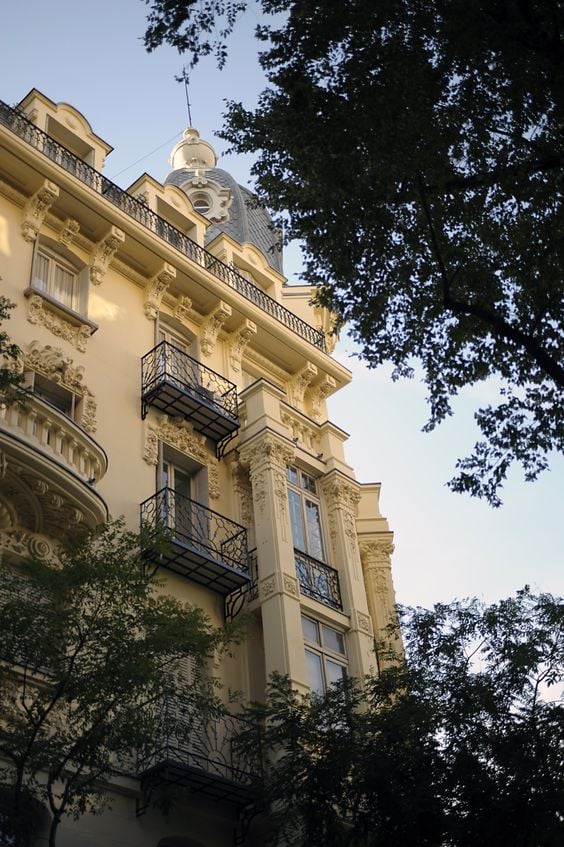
(43,445)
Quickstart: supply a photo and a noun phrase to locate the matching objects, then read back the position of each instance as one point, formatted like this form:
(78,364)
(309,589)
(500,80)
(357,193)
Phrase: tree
(460,745)
(425,183)
(92,650)
(9,352)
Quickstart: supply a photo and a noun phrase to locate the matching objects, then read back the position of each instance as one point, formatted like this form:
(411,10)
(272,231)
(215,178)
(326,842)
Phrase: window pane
(334,672)
(309,629)
(41,272)
(297,521)
(308,483)
(292,475)
(315,545)
(63,286)
(333,640)
(314,672)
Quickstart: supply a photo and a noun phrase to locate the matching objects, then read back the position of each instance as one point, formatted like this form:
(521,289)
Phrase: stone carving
(341,492)
(179,434)
(342,496)
(268,457)
(303,433)
(317,396)
(22,543)
(267,587)
(299,383)
(376,552)
(238,340)
(182,308)
(211,326)
(70,230)
(364,623)
(36,208)
(54,365)
(156,288)
(243,492)
(291,585)
(39,313)
(104,253)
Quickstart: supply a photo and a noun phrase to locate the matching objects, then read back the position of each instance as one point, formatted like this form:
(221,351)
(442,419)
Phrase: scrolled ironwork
(19,124)
(201,529)
(318,580)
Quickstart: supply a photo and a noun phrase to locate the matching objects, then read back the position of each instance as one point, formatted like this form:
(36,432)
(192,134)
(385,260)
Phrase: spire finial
(186,80)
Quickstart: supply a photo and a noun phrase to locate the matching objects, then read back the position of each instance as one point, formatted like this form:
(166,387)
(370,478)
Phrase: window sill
(62,311)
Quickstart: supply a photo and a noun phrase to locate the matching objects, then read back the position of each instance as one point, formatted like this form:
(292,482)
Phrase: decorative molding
(182,309)
(317,395)
(362,622)
(267,458)
(299,384)
(376,552)
(178,434)
(244,495)
(36,208)
(24,544)
(267,587)
(69,232)
(104,252)
(340,492)
(54,365)
(156,289)
(290,584)
(303,433)
(211,326)
(39,313)
(238,340)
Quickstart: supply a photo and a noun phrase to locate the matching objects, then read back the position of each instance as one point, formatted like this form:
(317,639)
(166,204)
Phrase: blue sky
(447,545)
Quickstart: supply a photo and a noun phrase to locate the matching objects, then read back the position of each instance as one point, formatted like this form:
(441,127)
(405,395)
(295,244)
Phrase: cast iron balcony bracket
(318,580)
(21,126)
(179,385)
(203,545)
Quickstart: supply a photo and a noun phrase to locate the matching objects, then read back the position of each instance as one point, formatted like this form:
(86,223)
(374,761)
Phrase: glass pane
(308,483)
(314,672)
(315,545)
(182,483)
(63,286)
(333,640)
(41,272)
(309,629)
(297,520)
(292,475)
(335,672)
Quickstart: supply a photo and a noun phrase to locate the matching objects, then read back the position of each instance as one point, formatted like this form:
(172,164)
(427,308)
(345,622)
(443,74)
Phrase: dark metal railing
(318,580)
(218,748)
(203,531)
(253,571)
(19,124)
(167,364)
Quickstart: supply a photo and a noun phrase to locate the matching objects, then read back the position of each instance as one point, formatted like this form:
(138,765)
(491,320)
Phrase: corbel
(182,308)
(70,230)
(156,288)
(238,340)
(211,326)
(36,208)
(300,382)
(104,253)
(318,394)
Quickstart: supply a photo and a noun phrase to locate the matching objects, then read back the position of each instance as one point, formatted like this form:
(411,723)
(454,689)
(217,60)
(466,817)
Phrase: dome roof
(230,207)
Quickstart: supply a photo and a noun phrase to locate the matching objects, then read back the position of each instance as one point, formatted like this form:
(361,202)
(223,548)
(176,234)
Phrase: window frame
(54,259)
(324,653)
(306,494)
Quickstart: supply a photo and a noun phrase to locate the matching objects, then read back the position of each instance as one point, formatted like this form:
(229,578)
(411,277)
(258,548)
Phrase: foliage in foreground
(91,649)
(462,745)
(416,148)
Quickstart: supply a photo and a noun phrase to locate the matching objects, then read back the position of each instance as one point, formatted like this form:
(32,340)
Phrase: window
(55,276)
(305,513)
(53,393)
(326,659)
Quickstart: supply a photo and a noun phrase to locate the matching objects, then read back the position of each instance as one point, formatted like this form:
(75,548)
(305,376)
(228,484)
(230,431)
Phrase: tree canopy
(463,744)
(416,149)
(91,649)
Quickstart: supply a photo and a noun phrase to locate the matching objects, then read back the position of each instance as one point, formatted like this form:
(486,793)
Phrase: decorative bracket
(156,288)
(182,308)
(36,208)
(318,394)
(69,231)
(238,340)
(300,382)
(212,325)
(103,254)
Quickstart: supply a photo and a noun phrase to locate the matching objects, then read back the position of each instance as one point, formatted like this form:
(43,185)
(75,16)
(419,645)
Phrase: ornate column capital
(267,449)
(376,552)
(341,492)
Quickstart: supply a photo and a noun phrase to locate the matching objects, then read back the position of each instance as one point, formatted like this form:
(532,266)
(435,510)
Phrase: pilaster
(375,552)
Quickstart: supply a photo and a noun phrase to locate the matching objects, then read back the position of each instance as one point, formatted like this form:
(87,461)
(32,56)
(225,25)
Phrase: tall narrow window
(305,513)
(326,660)
(57,278)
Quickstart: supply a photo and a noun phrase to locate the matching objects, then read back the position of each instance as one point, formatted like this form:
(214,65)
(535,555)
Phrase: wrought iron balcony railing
(19,124)
(204,546)
(318,580)
(205,755)
(177,384)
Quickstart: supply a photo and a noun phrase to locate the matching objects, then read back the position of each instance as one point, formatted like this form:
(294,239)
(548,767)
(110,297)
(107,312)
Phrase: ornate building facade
(174,375)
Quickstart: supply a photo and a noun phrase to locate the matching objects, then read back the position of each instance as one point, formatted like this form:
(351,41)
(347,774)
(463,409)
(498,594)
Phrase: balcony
(21,126)
(318,580)
(177,384)
(203,756)
(204,546)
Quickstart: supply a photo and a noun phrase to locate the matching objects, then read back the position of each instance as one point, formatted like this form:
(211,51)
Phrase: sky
(447,545)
